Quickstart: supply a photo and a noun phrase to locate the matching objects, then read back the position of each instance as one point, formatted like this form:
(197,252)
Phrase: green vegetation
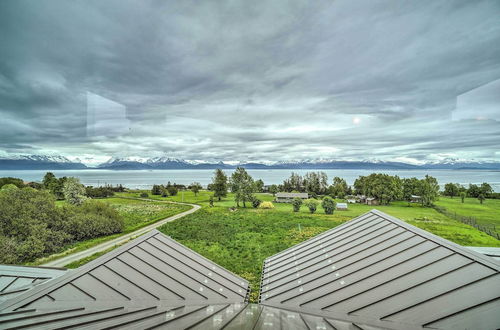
(486,214)
(240,239)
(138,213)
(31,225)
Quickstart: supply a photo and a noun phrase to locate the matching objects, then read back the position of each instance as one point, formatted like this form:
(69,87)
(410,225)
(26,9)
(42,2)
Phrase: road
(61,262)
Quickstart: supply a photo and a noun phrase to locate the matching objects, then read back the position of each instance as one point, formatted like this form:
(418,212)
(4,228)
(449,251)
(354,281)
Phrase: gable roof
(14,280)
(292,195)
(382,270)
(202,317)
(152,269)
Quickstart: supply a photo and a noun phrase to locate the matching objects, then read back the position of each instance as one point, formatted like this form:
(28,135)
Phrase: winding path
(61,262)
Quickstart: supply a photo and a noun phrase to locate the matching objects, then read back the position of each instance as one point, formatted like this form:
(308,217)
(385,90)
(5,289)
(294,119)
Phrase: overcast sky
(251,80)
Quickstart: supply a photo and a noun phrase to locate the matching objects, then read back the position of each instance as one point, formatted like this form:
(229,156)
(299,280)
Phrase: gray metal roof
(14,280)
(381,269)
(492,252)
(202,317)
(292,195)
(150,270)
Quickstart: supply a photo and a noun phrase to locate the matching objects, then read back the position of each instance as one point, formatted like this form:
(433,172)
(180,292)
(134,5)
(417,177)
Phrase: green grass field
(240,240)
(486,214)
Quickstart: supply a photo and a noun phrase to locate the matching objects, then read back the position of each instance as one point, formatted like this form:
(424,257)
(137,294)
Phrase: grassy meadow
(240,240)
(486,214)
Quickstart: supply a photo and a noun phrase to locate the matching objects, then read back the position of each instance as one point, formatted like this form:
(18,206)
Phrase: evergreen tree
(219,184)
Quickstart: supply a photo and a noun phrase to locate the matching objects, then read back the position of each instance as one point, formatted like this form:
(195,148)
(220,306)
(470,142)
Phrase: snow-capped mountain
(31,162)
(39,162)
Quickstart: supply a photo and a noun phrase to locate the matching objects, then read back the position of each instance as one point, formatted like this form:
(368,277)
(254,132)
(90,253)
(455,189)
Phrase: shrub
(266,205)
(296,203)
(328,204)
(157,190)
(144,195)
(311,204)
(256,202)
(92,219)
(74,191)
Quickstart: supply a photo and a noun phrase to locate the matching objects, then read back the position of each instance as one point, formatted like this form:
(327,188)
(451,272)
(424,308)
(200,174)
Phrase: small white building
(341,206)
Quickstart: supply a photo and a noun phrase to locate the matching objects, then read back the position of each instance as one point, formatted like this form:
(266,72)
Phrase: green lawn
(486,214)
(240,240)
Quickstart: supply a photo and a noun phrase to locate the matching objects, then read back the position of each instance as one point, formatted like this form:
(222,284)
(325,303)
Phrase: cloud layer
(253,81)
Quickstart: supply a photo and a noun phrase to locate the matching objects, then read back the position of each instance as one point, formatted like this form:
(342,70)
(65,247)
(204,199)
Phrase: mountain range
(40,162)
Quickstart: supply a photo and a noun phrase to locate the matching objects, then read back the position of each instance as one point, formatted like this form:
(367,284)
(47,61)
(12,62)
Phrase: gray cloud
(255,81)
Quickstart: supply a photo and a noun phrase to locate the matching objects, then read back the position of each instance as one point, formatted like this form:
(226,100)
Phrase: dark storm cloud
(243,80)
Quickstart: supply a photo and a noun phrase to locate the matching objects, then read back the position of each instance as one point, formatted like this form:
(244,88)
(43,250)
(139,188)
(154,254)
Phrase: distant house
(284,197)
(371,201)
(361,199)
(415,199)
(351,200)
(342,206)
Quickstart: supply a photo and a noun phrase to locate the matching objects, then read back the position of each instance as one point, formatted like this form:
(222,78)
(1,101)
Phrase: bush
(92,219)
(15,181)
(256,202)
(296,203)
(328,204)
(144,195)
(266,205)
(311,204)
(31,225)
(157,190)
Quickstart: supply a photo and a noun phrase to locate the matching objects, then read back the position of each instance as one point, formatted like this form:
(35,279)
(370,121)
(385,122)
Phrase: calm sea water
(146,178)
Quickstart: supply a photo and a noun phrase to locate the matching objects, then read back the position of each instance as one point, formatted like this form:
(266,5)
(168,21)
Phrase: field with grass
(486,214)
(240,240)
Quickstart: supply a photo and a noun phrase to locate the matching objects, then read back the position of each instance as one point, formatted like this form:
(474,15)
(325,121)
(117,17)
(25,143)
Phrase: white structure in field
(105,117)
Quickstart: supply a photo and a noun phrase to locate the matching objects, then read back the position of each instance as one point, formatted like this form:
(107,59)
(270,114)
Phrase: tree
(144,195)
(328,204)
(195,187)
(172,189)
(242,185)
(48,178)
(486,189)
(297,203)
(481,198)
(410,187)
(8,187)
(311,204)
(462,196)
(429,190)
(219,184)
(339,188)
(451,189)
(294,183)
(316,183)
(259,186)
(156,190)
(74,191)
(9,180)
(473,190)
(273,189)
(384,187)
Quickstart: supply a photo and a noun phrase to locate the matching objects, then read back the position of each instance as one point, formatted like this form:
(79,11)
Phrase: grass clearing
(486,214)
